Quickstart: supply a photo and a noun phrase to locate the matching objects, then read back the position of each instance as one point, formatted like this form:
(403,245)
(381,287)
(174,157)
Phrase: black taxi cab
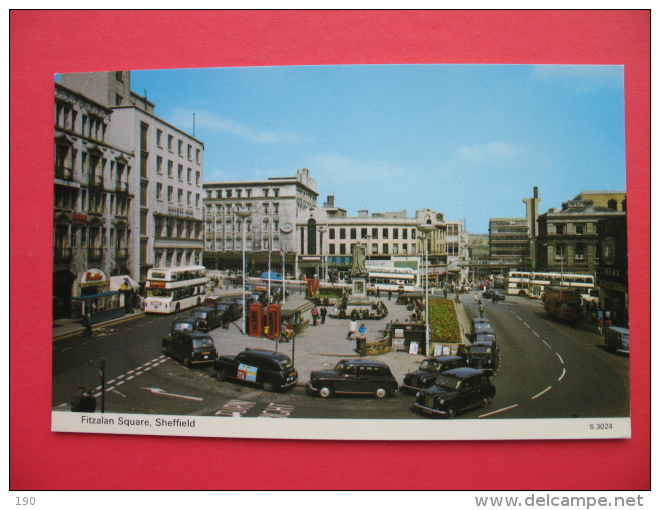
(269,369)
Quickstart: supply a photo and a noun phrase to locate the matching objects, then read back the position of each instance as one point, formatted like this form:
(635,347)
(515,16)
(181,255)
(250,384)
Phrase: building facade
(128,193)
(509,243)
(568,238)
(94,189)
(612,267)
(272,208)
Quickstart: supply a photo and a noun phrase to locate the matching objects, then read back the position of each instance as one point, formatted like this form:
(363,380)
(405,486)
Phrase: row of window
(179,146)
(577,229)
(179,196)
(73,236)
(241,193)
(67,163)
(346,249)
(90,126)
(176,228)
(179,173)
(373,233)
(229,209)
(97,202)
(177,257)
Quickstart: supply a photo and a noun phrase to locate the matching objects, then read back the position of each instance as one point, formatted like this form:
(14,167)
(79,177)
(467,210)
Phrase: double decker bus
(172,289)
(538,282)
(391,279)
(517,283)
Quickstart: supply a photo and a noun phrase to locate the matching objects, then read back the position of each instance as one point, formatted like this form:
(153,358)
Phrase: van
(273,276)
(617,339)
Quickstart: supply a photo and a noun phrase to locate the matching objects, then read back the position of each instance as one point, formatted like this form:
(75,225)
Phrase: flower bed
(443,322)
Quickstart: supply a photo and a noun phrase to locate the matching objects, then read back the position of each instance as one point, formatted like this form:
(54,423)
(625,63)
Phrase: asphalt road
(546,370)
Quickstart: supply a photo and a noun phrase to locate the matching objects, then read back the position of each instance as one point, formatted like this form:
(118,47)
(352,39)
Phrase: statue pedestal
(359,295)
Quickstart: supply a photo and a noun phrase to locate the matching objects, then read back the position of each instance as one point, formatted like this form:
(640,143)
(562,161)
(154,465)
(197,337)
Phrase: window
(353,233)
(395,233)
(385,249)
(170,168)
(119,76)
(118,100)
(180,172)
(342,249)
(197,178)
(190,176)
(159,137)
(170,194)
(579,252)
(189,152)
(559,230)
(579,229)
(159,191)
(395,249)
(159,164)
(342,233)
(276,192)
(331,233)
(374,249)
(405,248)
(559,252)
(374,233)
(180,147)
(385,233)
(405,233)
(331,248)
(363,233)
(170,143)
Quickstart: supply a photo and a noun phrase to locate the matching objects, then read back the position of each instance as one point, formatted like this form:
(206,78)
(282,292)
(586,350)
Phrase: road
(546,370)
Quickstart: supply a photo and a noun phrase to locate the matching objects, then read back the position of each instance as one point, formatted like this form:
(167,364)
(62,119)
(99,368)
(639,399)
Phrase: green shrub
(443,321)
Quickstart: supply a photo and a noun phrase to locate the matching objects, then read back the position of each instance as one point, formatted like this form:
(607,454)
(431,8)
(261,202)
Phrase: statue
(358,268)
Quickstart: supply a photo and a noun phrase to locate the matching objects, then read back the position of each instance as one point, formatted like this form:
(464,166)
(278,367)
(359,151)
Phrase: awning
(116,282)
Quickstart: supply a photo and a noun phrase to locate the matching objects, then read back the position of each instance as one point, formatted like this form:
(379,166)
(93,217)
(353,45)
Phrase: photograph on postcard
(396,252)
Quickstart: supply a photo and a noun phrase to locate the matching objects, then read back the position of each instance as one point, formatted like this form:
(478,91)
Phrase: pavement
(315,348)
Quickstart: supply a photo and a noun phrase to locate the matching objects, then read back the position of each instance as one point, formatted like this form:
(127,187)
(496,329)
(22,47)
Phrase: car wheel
(522,293)
(451,412)
(325,392)
(187,361)
(221,374)
(381,393)
(267,386)
(486,401)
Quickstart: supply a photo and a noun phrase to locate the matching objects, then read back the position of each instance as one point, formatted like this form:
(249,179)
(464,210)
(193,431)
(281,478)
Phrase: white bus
(585,283)
(172,289)
(391,279)
(517,283)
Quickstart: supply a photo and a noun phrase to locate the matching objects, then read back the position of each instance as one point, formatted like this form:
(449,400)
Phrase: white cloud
(215,123)
(494,153)
(349,169)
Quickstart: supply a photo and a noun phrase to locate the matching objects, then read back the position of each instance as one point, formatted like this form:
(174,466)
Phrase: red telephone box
(273,321)
(255,319)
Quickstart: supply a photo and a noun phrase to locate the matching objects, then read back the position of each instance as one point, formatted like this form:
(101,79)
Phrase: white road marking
(544,391)
(498,411)
(537,335)
(546,343)
(527,325)
(563,373)
(562,361)
(158,391)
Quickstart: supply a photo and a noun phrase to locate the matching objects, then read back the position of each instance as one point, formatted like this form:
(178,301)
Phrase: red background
(46,42)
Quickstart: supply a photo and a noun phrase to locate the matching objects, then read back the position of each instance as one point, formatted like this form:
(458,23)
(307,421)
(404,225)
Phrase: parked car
(269,369)
(229,311)
(428,370)
(484,335)
(479,323)
(484,356)
(493,294)
(191,347)
(209,318)
(617,339)
(455,391)
(353,376)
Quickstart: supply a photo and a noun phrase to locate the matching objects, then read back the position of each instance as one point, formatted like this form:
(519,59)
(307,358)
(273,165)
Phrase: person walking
(362,332)
(87,324)
(352,330)
(324,312)
(481,309)
(389,295)
(315,315)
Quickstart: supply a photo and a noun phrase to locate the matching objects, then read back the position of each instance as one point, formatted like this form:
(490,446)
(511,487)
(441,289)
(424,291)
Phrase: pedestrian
(444,291)
(87,324)
(136,302)
(389,295)
(76,400)
(481,309)
(362,332)
(378,292)
(476,297)
(315,315)
(352,330)
(324,312)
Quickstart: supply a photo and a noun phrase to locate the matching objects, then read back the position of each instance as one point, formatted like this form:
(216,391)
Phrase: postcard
(372,252)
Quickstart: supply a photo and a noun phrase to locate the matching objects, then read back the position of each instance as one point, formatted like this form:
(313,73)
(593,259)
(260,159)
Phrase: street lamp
(369,237)
(426,229)
(244,214)
(322,230)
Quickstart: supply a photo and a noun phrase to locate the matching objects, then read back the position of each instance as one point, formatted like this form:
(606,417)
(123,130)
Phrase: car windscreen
(485,338)
(202,343)
(222,308)
(200,314)
(182,326)
(430,365)
(446,382)
(480,349)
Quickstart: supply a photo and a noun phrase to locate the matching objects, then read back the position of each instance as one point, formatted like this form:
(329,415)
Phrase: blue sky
(468,140)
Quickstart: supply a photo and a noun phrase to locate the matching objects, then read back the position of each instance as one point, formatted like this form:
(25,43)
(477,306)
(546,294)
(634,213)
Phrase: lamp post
(322,229)
(369,237)
(425,233)
(244,214)
(285,229)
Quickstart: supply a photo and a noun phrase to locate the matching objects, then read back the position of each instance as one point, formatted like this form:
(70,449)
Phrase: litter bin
(361,345)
